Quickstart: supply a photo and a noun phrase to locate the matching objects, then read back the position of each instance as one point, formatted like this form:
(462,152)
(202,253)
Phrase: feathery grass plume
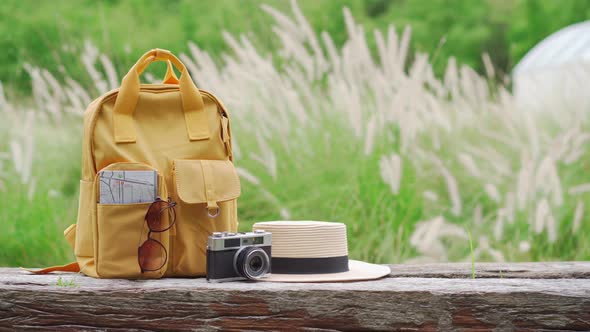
(489,67)
(499,224)
(524,183)
(551,228)
(370,136)
(428,236)
(524,246)
(485,249)
(79,97)
(430,195)
(53,100)
(576,152)
(391,171)
(89,56)
(47,103)
(510,206)
(478,216)
(22,147)
(547,180)
(112,78)
(493,192)
(541,215)
(578,215)
(579,189)
(6,111)
(245,175)
(469,164)
(4,105)
(452,186)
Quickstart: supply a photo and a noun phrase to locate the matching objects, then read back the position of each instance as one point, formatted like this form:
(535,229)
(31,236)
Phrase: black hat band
(283,265)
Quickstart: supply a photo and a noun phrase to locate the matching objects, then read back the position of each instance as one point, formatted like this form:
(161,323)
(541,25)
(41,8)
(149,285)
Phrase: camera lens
(255,264)
(251,263)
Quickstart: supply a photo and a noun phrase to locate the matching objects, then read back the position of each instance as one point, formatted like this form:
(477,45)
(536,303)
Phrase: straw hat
(314,251)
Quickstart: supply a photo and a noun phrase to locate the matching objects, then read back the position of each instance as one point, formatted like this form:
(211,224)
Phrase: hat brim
(357,271)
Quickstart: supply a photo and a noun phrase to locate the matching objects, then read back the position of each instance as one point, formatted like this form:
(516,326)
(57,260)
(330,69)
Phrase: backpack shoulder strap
(71,267)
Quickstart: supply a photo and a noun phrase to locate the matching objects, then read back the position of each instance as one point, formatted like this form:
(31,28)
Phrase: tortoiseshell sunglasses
(152,254)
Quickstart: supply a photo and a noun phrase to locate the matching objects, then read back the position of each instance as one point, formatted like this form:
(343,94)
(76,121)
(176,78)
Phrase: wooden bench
(527,296)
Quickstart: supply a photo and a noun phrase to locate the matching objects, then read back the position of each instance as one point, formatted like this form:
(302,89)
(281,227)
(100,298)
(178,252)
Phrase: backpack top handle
(192,101)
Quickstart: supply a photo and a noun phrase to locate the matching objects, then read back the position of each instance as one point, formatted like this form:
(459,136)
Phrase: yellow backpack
(179,131)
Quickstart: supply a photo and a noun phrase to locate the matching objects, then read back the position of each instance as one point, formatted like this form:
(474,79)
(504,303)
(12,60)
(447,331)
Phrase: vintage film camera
(238,256)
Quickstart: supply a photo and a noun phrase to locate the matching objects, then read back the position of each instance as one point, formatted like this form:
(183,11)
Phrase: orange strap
(170,77)
(71,267)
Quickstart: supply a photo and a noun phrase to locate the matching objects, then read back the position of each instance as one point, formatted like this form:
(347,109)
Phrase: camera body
(238,256)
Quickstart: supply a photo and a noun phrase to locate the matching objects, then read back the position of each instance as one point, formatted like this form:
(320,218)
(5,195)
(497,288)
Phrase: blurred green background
(50,34)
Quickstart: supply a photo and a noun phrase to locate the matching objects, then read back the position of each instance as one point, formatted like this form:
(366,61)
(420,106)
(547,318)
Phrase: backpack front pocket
(122,229)
(206,192)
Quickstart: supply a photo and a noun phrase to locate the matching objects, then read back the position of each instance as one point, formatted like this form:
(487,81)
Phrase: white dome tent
(554,76)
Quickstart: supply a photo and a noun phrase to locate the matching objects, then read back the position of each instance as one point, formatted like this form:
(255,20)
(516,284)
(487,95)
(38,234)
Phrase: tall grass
(411,162)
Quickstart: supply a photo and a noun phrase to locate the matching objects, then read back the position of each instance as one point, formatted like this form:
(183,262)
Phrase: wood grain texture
(541,270)
(30,302)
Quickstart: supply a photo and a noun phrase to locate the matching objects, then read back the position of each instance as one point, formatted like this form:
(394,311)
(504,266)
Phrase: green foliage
(330,180)
(67,283)
(50,34)
(33,222)
(534,20)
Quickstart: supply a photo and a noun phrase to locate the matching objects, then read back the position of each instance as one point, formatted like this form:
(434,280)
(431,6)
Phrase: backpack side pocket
(84,235)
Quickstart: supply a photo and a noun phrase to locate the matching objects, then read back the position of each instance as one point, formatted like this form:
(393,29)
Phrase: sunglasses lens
(154,216)
(152,255)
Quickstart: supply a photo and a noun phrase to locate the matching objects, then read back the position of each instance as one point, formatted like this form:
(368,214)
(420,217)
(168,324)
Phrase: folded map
(126,187)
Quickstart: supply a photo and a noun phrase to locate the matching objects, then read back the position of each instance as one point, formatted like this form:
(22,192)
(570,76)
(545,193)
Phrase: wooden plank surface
(541,270)
(527,297)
